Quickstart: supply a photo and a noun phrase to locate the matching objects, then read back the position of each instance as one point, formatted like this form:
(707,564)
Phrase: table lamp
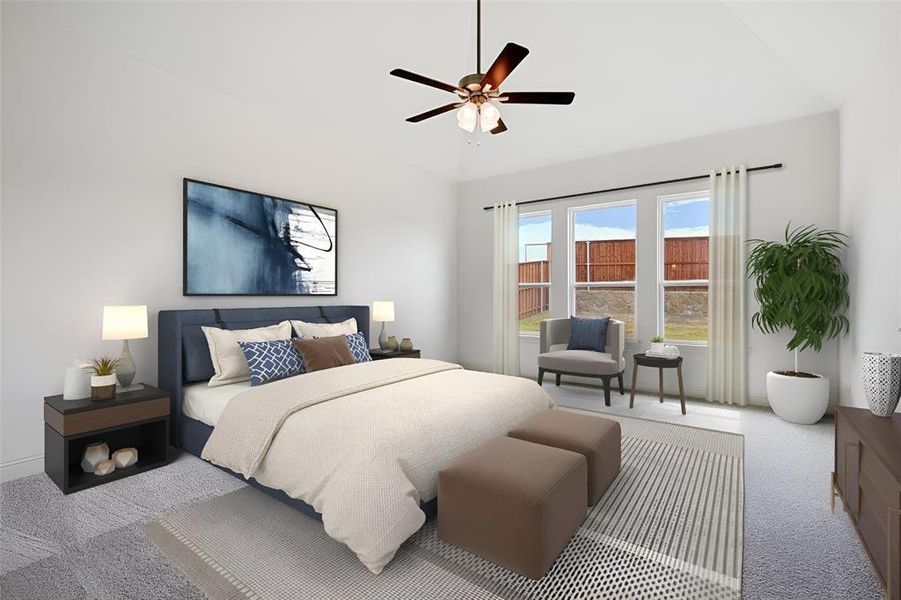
(383,311)
(125,323)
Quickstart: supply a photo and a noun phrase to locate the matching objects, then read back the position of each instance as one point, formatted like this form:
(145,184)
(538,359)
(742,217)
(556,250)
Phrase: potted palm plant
(103,380)
(801,287)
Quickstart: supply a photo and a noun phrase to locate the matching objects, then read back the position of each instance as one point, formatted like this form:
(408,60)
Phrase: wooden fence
(611,260)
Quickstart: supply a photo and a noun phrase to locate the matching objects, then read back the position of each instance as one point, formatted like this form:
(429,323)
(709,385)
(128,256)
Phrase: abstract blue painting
(248,244)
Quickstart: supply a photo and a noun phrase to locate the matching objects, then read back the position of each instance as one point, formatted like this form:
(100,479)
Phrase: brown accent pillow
(324,353)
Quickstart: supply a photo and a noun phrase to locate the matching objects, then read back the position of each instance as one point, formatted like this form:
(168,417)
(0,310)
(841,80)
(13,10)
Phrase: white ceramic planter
(657,347)
(103,380)
(801,400)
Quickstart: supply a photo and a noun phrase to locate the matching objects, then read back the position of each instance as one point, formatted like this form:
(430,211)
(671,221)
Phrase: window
(534,270)
(602,262)
(684,236)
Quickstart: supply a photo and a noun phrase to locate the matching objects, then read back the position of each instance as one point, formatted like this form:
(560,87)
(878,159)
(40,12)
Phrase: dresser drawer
(103,418)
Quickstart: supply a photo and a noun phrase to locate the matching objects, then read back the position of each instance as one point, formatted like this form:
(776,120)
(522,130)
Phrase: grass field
(686,332)
(531,324)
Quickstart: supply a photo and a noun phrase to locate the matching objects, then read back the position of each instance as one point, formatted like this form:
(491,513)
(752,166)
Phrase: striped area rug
(669,527)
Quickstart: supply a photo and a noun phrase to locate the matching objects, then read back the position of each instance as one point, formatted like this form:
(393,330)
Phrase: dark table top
(380,352)
(656,361)
(73,406)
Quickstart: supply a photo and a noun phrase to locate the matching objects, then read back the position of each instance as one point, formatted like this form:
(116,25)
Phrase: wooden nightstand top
(66,407)
(75,417)
(379,354)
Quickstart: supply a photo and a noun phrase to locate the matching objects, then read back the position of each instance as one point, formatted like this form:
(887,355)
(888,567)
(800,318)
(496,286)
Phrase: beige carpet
(669,527)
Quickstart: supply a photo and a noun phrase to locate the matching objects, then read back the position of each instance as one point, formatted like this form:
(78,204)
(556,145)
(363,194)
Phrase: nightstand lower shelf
(62,455)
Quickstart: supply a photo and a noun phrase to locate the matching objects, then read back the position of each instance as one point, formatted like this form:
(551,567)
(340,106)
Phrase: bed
(357,447)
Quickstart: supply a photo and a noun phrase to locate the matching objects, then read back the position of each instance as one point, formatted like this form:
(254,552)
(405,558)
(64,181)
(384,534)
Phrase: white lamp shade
(124,322)
(383,310)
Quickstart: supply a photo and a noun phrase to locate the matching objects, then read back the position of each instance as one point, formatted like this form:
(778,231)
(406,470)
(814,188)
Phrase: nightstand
(379,354)
(138,419)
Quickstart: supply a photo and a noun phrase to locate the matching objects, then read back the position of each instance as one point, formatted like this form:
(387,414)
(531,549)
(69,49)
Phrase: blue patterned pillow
(358,347)
(269,361)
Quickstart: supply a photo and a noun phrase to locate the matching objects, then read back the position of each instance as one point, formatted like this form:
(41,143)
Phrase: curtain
(506,289)
(727,379)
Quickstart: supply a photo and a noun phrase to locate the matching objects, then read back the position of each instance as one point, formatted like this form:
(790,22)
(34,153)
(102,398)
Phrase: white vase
(881,375)
(801,400)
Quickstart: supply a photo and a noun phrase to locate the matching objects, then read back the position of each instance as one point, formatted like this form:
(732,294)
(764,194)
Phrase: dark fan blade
(503,65)
(426,81)
(537,97)
(434,112)
(501,127)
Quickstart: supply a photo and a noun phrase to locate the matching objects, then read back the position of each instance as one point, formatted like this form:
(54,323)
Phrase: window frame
(662,282)
(548,284)
(572,284)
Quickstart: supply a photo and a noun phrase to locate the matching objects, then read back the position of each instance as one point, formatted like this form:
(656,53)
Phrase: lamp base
(135,387)
(383,337)
(125,370)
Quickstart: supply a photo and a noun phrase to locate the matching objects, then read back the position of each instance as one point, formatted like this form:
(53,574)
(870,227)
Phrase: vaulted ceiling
(644,73)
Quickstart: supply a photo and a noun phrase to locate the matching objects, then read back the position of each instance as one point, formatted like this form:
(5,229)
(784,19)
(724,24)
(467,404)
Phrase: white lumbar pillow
(229,362)
(319,330)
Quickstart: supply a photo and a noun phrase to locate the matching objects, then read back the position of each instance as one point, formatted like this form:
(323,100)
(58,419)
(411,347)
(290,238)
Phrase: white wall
(804,192)
(95,145)
(870,209)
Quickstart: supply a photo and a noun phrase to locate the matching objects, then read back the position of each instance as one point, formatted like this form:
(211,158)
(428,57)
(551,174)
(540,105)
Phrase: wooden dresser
(867,477)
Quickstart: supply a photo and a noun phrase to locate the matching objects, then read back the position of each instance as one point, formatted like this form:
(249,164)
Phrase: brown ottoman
(513,502)
(597,439)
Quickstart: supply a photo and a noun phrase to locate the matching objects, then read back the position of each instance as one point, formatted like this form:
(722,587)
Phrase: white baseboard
(21,467)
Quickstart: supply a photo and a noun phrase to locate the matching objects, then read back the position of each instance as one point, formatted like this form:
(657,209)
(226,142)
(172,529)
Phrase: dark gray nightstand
(138,419)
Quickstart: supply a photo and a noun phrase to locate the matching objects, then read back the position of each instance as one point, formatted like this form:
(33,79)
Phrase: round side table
(659,363)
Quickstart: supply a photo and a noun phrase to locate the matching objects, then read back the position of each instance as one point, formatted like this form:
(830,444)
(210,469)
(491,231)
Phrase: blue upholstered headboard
(184,356)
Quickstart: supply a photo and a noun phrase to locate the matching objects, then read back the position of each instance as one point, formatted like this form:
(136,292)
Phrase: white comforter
(363,444)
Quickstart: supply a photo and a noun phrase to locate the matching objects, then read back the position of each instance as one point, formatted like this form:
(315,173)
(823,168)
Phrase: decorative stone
(125,457)
(93,455)
(105,467)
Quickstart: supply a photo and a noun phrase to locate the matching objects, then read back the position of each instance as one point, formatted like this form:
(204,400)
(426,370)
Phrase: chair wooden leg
(558,378)
(619,378)
(540,376)
(660,385)
(606,391)
(632,391)
(681,389)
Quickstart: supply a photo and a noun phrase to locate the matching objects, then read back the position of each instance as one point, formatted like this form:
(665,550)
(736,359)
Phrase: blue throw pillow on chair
(588,334)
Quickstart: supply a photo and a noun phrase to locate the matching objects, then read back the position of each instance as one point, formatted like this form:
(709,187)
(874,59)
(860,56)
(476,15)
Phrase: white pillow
(228,358)
(319,330)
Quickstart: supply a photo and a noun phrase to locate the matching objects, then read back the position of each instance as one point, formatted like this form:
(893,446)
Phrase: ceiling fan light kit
(480,93)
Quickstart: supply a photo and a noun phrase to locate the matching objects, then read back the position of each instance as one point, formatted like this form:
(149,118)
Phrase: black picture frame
(186,291)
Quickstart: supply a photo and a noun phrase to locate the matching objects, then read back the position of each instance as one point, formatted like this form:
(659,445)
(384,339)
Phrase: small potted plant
(103,380)
(657,345)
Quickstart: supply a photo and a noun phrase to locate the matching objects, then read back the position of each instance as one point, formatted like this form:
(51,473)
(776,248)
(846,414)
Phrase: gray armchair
(584,363)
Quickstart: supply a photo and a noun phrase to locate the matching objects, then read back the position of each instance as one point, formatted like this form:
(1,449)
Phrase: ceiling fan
(480,93)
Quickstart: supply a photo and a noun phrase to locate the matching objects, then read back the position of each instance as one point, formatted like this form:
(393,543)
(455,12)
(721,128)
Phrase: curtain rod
(634,187)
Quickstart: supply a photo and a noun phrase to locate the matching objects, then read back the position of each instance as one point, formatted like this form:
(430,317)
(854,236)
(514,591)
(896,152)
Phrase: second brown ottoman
(513,502)
(597,439)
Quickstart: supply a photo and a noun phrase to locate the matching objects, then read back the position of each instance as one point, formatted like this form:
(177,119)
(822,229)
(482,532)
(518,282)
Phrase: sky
(682,218)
